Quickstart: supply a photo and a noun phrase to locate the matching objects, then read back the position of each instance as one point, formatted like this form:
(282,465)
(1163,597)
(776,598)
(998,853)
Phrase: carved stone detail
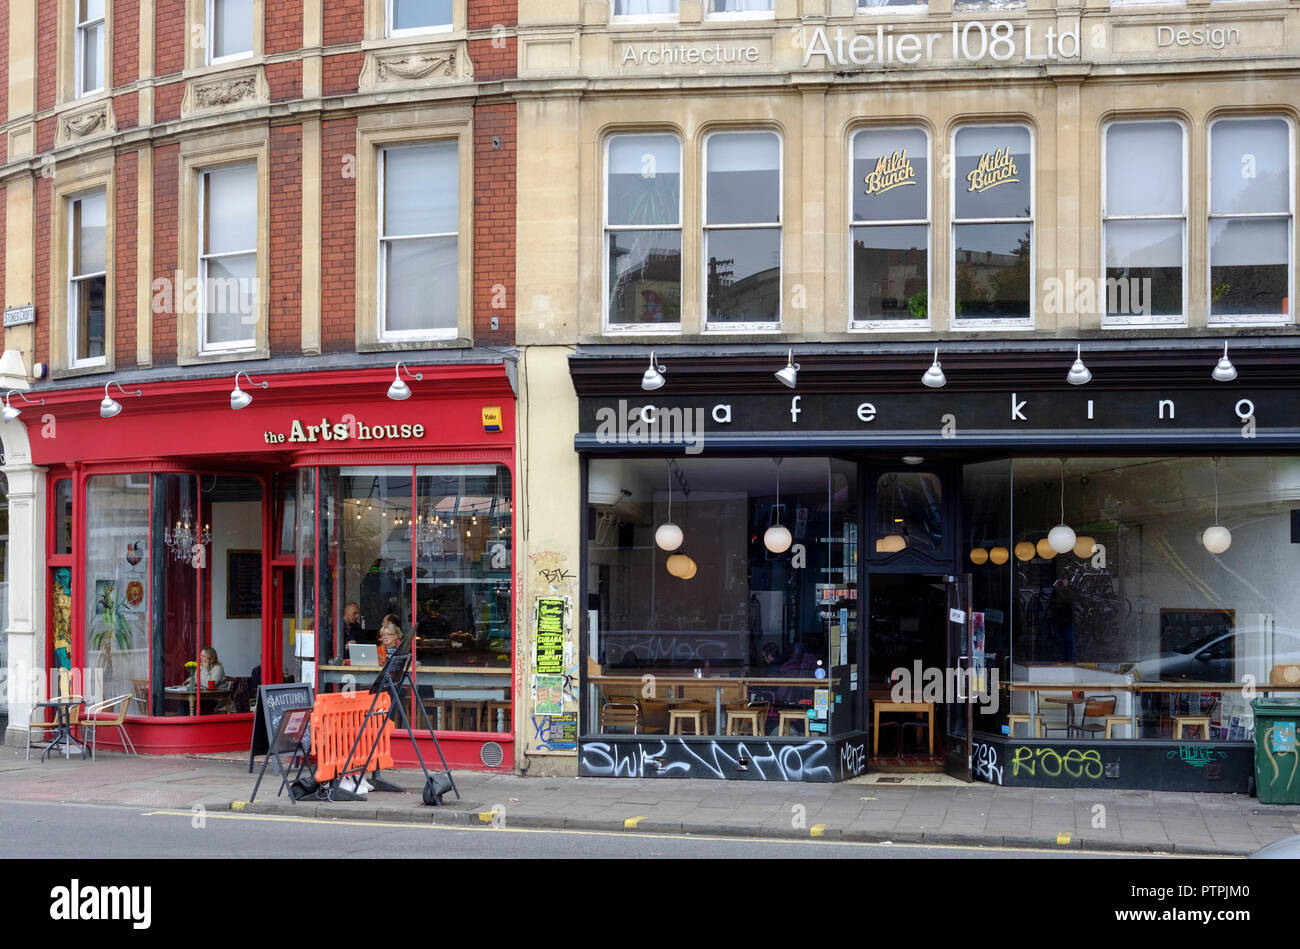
(95,120)
(416,66)
(236,90)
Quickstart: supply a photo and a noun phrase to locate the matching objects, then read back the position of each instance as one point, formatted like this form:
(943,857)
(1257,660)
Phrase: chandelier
(430,534)
(182,538)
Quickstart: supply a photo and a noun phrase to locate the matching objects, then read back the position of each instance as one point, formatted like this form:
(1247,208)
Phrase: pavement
(926,810)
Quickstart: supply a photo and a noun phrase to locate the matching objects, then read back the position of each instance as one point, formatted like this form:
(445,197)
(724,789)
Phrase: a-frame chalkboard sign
(272,702)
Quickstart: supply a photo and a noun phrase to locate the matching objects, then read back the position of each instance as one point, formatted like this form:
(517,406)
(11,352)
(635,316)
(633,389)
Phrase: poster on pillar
(553,675)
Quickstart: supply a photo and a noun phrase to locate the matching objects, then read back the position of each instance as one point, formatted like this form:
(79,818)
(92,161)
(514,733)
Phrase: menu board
(551,614)
(243,584)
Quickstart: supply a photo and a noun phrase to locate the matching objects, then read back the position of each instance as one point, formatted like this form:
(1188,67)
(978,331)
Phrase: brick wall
(344,22)
(169,37)
(285,301)
(284,80)
(126,109)
(126,43)
(166,171)
(283,27)
(494,62)
(485,14)
(494,221)
(167,101)
(338,225)
(339,73)
(41,258)
(125,190)
(47,34)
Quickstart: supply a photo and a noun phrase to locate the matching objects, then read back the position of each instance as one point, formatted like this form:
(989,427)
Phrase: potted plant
(111,622)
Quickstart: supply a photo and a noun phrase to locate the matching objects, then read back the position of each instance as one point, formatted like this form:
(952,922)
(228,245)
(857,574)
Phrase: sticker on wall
(821,699)
(550,695)
(957,616)
(1284,737)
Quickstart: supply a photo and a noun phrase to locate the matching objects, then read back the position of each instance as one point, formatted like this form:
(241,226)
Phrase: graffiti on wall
(1051,763)
(676,758)
(853,759)
(1198,756)
(984,762)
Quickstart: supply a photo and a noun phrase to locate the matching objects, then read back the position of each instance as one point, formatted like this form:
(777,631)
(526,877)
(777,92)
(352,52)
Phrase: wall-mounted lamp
(399,390)
(1224,371)
(10,413)
(1078,374)
(934,377)
(110,406)
(653,378)
(239,399)
(790,373)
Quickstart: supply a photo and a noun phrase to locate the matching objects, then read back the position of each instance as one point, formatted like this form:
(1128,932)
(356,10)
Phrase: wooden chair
(1112,721)
(463,709)
(505,718)
(787,717)
(620,712)
(1097,706)
(140,695)
(1017,718)
(436,709)
(1201,722)
(102,715)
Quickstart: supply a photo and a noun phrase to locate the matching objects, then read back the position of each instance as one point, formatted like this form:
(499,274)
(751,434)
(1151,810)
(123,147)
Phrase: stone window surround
(225,147)
(66,79)
(376,131)
(196,18)
(376,25)
(75,179)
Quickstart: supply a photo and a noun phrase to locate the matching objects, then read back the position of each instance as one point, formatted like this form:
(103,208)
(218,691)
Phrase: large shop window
(891,227)
(228,259)
(1252,188)
(742,229)
(643,231)
(1138,630)
(428,550)
(87,279)
(419,241)
(736,596)
(1145,223)
(116,585)
(993,226)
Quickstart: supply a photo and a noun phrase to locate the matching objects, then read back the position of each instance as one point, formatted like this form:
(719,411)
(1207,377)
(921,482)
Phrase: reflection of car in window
(1214,658)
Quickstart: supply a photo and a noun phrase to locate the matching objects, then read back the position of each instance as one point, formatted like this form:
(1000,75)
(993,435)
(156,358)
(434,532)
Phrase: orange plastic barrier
(335,720)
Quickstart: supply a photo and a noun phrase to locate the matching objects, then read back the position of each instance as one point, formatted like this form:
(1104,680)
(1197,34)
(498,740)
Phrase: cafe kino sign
(346,429)
(970,41)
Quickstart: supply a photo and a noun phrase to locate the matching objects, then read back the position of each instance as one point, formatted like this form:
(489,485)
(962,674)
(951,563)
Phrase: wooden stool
(1200,721)
(736,716)
(461,709)
(1113,720)
(788,716)
(679,716)
(1018,719)
(500,712)
(436,709)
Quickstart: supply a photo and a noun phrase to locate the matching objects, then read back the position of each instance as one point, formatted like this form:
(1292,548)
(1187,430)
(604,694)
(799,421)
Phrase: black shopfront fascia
(1001,400)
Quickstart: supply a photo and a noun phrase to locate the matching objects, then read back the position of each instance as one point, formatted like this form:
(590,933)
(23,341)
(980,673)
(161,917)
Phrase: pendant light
(1044,549)
(669,536)
(1225,371)
(1216,538)
(979,556)
(891,543)
(1085,547)
(1061,537)
(777,538)
(934,377)
(1025,551)
(1078,374)
(999,555)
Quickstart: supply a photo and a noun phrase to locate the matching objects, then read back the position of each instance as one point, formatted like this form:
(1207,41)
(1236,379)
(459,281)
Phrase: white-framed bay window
(228,274)
(1252,220)
(1144,223)
(742,230)
(412,17)
(643,232)
(89,47)
(87,279)
(889,246)
(419,241)
(992,275)
(230,26)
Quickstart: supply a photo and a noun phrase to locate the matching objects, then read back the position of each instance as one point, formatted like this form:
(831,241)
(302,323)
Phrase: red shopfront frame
(188,427)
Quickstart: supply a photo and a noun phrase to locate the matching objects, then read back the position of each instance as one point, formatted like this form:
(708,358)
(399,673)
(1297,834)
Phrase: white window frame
(1246,319)
(249,343)
(864,9)
(74,298)
(386,335)
(895,326)
(1121,321)
(415,30)
(211,44)
(773,326)
(711,14)
(956,323)
(82,26)
(616,17)
(639,329)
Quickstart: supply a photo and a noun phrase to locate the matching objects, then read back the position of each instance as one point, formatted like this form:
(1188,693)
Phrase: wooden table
(878,706)
(179,692)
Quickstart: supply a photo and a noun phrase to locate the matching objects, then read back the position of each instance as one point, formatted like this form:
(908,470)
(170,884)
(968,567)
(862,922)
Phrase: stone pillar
(26,629)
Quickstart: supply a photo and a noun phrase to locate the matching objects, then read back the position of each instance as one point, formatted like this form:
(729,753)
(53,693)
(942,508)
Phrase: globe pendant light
(1025,551)
(934,377)
(1216,538)
(999,555)
(1044,549)
(1224,371)
(1078,374)
(1061,537)
(669,536)
(777,538)
(1085,547)
(979,556)
(678,565)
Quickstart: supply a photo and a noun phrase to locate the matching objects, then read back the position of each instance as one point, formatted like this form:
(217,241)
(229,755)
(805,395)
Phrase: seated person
(433,625)
(353,631)
(209,670)
(390,637)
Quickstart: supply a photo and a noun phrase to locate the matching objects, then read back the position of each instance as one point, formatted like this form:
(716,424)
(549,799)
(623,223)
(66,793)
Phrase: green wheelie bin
(1277,756)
